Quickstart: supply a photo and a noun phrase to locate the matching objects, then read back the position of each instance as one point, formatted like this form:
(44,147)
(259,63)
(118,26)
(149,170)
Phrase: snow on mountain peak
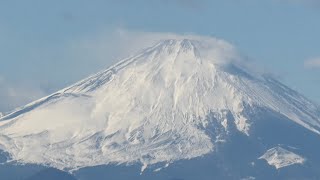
(156,106)
(215,50)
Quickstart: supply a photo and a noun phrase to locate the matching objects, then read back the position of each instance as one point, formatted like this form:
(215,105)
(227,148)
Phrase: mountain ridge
(154,107)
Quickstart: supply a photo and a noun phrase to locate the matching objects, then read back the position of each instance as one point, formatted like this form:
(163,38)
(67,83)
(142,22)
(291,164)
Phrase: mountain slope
(51,174)
(180,99)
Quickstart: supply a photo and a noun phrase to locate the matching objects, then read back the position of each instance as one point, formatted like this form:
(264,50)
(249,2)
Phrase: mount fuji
(181,109)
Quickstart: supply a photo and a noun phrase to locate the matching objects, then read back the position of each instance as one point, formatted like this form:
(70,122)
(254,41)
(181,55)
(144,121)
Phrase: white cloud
(108,47)
(13,95)
(312,63)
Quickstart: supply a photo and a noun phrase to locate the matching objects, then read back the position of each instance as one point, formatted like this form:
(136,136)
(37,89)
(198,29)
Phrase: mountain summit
(179,99)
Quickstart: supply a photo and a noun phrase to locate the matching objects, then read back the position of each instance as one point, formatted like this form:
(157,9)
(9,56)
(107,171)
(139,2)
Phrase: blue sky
(46,45)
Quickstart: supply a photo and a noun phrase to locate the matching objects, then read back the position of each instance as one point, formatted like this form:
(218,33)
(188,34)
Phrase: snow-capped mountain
(181,99)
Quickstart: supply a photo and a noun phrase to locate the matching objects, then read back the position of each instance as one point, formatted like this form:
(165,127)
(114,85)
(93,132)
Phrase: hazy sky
(46,45)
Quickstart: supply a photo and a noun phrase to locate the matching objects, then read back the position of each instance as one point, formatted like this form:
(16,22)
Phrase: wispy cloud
(109,47)
(16,94)
(312,63)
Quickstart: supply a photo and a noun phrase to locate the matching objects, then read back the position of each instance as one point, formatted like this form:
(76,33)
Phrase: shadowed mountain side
(51,174)
(236,159)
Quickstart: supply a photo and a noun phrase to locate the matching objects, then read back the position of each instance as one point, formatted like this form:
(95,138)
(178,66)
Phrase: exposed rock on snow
(280,157)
